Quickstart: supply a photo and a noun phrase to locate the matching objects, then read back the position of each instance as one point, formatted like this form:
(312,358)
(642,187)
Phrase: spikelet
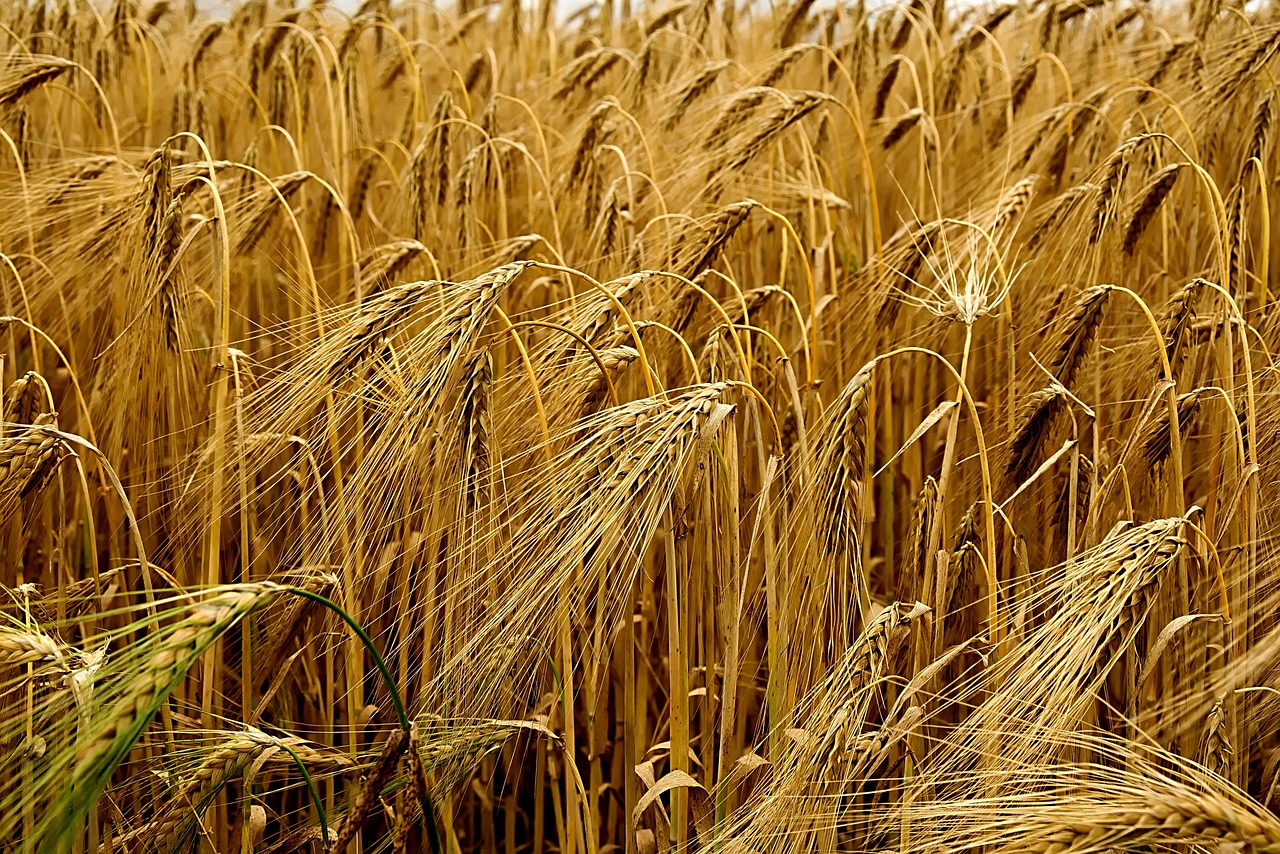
(476,429)
(664,18)
(359,195)
(782,61)
(88,170)
(756,298)
(592,135)
(864,663)
(691,91)
(371,790)
(18,646)
(28,458)
(1014,202)
(579,75)
(78,598)
(1114,170)
(1215,751)
(838,750)
(1078,332)
(742,105)
(904,29)
(961,592)
(615,360)
(436,174)
(357,340)
(1260,129)
(792,22)
(448,751)
(280,629)
(479,70)
(1249,64)
(25,74)
(840,463)
(204,40)
(1183,816)
(1155,444)
(1176,321)
(901,127)
(713,233)
(610,220)
(950,80)
(1062,513)
(163,269)
(118,725)
(1021,85)
(1149,202)
(25,400)
(1050,125)
(765,130)
(883,89)
(1237,235)
(715,362)
(638,75)
(383,264)
(519,248)
(912,573)
(1035,422)
(1168,60)
(1143,570)
(1204,13)
(1059,210)
(176,822)
(697,19)
(465,196)
(261,207)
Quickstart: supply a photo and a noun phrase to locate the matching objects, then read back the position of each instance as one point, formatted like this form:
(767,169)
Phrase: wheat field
(676,427)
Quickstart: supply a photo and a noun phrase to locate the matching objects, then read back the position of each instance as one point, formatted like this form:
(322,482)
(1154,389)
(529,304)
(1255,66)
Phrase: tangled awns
(693,426)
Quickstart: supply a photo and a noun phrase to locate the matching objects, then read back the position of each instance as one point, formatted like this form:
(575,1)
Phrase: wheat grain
(371,790)
(1078,332)
(840,465)
(1035,421)
(22,647)
(1149,202)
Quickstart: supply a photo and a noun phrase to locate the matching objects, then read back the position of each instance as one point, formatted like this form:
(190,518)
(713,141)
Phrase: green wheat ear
(407,727)
(161,662)
(145,677)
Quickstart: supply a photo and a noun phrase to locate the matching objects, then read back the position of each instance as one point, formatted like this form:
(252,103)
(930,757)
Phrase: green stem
(315,795)
(368,644)
(428,809)
(429,819)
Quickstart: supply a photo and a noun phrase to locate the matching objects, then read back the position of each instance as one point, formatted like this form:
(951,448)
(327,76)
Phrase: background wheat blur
(685,426)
